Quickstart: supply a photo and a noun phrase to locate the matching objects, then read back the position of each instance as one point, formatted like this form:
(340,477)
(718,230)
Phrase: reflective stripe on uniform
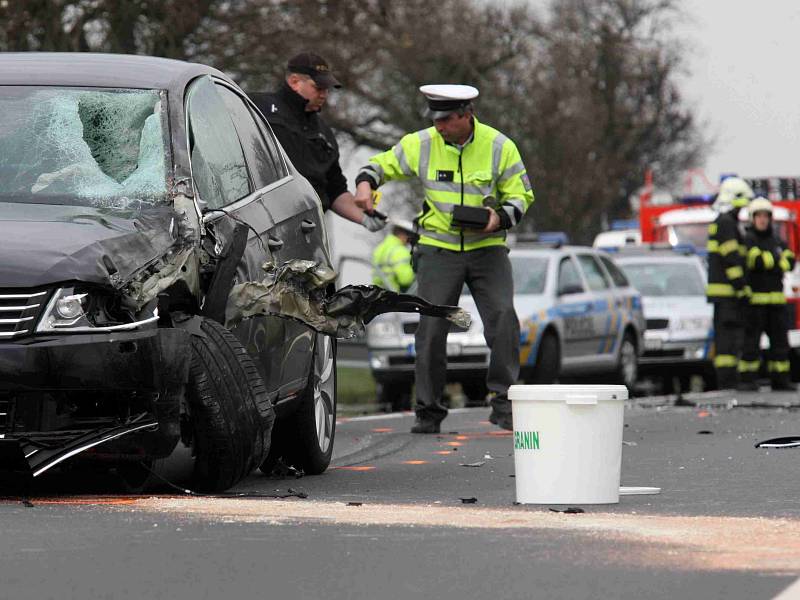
(456,239)
(424,154)
(455,187)
(768,259)
(768,298)
(725,360)
(712,245)
(511,170)
(497,151)
(752,255)
(778,366)
(722,290)
(402,160)
(726,248)
(734,272)
(374,172)
(712,229)
(749,366)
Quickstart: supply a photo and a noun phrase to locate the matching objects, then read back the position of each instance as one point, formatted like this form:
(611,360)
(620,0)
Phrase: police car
(678,341)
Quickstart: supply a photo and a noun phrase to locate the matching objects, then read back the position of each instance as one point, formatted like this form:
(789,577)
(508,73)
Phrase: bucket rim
(562,392)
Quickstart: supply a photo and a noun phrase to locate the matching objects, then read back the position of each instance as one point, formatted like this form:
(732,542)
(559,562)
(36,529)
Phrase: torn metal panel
(297,289)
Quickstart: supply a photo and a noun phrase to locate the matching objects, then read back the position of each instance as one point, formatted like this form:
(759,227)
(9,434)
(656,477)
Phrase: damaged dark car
(136,193)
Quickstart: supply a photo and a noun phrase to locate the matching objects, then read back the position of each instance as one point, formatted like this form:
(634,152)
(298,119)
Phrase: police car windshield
(665,278)
(530,274)
(695,234)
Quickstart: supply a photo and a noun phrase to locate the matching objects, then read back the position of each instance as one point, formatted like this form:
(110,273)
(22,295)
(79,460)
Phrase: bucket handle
(581,399)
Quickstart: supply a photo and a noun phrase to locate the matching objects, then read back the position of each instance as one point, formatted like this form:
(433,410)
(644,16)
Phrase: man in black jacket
(727,288)
(767,260)
(293,113)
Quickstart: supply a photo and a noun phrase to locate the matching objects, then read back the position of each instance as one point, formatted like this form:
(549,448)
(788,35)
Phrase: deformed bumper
(115,395)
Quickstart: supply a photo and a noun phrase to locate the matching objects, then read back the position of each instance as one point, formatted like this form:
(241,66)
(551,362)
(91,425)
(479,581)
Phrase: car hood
(46,244)
(664,307)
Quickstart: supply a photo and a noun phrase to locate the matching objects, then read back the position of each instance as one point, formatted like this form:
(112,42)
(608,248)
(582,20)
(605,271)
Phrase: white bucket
(567,443)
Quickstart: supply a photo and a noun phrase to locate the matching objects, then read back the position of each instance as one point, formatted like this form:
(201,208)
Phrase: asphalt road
(387,521)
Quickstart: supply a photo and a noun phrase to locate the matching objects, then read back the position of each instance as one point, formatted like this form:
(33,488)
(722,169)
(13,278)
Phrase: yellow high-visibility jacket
(489,164)
(391,261)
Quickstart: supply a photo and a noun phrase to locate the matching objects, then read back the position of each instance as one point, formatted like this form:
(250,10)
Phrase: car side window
(262,165)
(594,274)
(272,142)
(218,166)
(617,276)
(569,280)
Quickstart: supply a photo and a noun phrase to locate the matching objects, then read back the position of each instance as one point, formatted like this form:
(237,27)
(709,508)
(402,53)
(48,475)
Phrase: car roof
(534,250)
(657,257)
(99,70)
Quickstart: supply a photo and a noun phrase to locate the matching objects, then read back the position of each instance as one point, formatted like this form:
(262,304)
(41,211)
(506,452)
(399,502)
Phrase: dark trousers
(440,276)
(728,340)
(772,319)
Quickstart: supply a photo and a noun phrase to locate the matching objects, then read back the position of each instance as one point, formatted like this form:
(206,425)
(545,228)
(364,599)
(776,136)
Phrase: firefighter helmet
(734,192)
(760,204)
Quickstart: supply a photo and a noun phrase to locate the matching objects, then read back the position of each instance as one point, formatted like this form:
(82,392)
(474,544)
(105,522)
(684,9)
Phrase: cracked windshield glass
(102,148)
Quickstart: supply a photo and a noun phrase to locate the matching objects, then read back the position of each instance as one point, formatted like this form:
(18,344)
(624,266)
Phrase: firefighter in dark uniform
(767,260)
(293,113)
(727,288)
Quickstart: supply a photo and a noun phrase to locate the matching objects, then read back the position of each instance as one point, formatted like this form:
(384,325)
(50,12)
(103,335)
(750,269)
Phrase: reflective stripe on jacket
(767,260)
(726,260)
(487,165)
(391,262)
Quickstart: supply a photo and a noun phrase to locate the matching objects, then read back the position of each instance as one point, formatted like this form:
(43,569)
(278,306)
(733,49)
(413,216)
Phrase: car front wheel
(311,430)
(627,362)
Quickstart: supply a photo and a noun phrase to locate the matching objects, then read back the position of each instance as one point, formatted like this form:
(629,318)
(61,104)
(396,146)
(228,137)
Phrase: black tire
(627,369)
(396,396)
(310,431)
(230,413)
(548,360)
(475,391)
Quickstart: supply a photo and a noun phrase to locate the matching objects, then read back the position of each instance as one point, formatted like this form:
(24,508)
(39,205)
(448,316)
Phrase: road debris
(572,510)
(479,463)
(469,500)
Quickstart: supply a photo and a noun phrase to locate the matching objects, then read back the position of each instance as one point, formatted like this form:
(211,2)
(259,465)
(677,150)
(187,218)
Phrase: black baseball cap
(315,66)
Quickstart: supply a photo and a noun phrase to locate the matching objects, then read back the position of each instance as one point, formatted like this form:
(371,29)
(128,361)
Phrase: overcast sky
(745,83)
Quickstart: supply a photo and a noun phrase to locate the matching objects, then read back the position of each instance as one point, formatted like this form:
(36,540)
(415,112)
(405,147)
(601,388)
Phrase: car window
(666,278)
(218,165)
(617,276)
(272,143)
(530,274)
(594,274)
(262,165)
(569,280)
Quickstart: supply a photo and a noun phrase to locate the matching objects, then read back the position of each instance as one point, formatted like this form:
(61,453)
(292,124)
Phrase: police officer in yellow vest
(391,259)
(476,188)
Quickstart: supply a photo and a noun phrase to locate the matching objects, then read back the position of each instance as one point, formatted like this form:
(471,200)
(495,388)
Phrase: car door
(573,307)
(606,320)
(297,230)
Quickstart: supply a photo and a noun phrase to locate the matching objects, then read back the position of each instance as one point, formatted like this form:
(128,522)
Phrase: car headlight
(66,309)
(691,324)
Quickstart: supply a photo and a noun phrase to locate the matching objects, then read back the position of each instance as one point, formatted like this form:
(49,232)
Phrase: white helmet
(760,204)
(734,192)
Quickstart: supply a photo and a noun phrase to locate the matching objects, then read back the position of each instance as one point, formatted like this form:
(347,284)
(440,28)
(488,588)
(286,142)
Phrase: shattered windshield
(79,146)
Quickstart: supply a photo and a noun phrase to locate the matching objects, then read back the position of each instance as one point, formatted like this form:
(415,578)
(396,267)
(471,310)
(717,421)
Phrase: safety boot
(426,426)
(502,420)
(783,384)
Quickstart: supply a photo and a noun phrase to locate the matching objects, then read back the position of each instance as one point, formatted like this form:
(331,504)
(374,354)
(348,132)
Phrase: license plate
(652,344)
(453,349)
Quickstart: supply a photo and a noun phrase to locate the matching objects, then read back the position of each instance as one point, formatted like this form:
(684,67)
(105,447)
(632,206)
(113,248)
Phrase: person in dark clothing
(767,260)
(727,288)
(293,113)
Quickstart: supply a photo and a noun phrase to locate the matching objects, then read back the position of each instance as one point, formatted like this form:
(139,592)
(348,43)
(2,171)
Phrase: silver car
(579,316)
(679,337)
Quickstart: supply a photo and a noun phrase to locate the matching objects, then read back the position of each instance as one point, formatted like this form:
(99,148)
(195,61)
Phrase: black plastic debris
(705,432)
(355,503)
(572,510)
(791,441)
(469,500)
(479,463)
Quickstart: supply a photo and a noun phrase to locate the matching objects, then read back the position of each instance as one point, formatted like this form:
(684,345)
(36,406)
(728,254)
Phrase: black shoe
(426,426)
(784,386)
(747,386)
(501,420)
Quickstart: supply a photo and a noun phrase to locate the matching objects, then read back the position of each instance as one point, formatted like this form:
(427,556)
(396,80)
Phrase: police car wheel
(313,425)
(548,360)
(627,363)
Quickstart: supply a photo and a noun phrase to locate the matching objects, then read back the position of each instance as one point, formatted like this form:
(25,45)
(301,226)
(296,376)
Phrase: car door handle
(274,243)
(307,226)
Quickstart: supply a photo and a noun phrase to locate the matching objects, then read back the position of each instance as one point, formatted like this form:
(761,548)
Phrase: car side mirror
(570,288)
